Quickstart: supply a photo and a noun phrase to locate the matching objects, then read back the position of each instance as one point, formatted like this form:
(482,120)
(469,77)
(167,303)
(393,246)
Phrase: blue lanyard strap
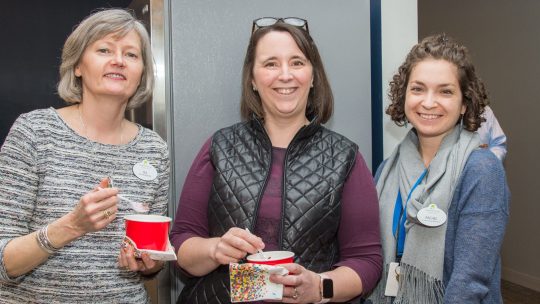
(400,216)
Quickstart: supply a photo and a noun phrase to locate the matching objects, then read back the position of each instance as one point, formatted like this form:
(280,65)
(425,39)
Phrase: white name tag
(392,282)
(431,216)
(145,171)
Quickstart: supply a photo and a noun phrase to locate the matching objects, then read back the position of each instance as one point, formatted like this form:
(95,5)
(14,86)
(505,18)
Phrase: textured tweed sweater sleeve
(45,167)
(476,224)
(18,186)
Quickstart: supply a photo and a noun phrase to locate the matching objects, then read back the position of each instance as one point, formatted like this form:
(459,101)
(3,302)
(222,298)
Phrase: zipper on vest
(284,187)
(259,198)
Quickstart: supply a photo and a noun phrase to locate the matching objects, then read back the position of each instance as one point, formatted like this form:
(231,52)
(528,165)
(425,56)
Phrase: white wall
(399,31)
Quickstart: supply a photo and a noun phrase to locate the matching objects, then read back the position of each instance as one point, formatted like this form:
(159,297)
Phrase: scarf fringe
(417,287)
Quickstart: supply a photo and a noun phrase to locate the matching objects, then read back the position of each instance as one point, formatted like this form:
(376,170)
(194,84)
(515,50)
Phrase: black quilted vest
(317,163)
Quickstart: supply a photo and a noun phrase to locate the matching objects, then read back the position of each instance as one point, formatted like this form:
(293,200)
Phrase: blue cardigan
(476,223)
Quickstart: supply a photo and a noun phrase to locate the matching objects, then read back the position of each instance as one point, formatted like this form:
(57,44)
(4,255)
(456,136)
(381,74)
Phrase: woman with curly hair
(443,201)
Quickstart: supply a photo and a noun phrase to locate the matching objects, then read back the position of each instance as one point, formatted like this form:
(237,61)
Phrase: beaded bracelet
(44,242)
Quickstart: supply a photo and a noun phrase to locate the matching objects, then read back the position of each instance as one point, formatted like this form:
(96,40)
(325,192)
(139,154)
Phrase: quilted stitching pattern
(317,164)
(241,171)
(211,289)
(313,185)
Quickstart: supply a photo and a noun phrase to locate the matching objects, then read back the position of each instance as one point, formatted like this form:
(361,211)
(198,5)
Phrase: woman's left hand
(127,260)
(300,285)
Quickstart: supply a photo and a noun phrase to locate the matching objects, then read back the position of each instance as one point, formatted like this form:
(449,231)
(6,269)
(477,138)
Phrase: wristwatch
(327,288)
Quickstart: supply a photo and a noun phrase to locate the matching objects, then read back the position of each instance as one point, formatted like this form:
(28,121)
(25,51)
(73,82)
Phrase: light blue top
(492,135)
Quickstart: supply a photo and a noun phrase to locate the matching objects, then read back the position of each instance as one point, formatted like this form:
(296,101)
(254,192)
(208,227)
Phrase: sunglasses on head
(269,21)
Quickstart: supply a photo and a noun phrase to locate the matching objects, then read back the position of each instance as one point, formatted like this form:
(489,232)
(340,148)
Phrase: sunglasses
(269,21)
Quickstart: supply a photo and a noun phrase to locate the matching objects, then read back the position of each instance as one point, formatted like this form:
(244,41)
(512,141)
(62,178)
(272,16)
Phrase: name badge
(145,171)
(392,281)
(431,216)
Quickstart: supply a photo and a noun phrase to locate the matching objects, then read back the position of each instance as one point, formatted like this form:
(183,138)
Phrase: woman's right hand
(234,245)
(95,210)
(23,254)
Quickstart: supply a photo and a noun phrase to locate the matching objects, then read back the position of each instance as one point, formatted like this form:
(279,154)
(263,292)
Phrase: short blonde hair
(92,28)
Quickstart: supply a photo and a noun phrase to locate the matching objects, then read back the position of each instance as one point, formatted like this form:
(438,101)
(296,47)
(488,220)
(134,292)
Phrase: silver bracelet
(44,242)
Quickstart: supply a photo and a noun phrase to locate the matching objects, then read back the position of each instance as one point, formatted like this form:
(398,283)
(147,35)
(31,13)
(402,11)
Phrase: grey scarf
(423,257)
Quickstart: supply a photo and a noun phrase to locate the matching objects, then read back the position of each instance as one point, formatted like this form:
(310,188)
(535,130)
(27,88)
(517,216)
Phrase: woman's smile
(282,76)
(429,117)
(285,91)
(433,102)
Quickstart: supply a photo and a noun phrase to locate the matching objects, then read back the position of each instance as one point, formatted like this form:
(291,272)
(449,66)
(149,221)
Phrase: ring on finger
(295,294)
(107,214)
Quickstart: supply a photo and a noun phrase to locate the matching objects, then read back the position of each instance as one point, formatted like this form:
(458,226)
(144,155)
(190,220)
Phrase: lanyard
(400,216)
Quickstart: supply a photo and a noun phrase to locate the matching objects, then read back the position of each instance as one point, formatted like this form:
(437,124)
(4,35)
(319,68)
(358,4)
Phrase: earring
(254,88)
(461,121)
(406,124)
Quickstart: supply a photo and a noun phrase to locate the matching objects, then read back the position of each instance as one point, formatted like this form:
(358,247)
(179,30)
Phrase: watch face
(327,288)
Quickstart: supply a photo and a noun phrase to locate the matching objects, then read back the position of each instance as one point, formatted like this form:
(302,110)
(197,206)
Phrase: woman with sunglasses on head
(62,223)
(295,184)
(443,200)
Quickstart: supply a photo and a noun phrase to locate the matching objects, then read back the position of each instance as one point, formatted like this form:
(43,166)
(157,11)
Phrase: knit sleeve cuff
(3,273)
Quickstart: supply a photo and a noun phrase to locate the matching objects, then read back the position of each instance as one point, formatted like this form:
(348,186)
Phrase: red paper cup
(272,258)
(148,231)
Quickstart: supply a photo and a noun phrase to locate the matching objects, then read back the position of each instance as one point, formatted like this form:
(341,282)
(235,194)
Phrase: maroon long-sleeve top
(358,234)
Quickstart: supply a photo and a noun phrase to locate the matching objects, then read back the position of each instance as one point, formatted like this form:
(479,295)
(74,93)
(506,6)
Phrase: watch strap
(321,286)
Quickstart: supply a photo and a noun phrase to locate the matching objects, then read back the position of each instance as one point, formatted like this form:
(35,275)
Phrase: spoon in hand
(138,207)
(259,250)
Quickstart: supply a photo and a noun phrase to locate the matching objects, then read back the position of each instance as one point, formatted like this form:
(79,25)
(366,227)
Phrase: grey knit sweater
(45,167)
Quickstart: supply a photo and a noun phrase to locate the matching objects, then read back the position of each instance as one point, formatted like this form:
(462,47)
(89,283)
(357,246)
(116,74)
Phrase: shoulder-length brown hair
(91,29)
(320,100)
(443,47)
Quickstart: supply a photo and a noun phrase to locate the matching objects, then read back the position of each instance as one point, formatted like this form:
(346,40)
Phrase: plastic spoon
(259,250)
(138,207)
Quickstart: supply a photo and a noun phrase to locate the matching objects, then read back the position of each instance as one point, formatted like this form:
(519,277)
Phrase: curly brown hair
(443,47)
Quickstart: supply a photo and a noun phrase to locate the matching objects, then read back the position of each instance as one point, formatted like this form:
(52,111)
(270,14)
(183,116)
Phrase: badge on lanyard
(431,216)
(145,171)
(392,282)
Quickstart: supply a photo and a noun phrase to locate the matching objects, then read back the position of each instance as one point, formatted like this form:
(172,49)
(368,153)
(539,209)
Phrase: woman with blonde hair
(61,172)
